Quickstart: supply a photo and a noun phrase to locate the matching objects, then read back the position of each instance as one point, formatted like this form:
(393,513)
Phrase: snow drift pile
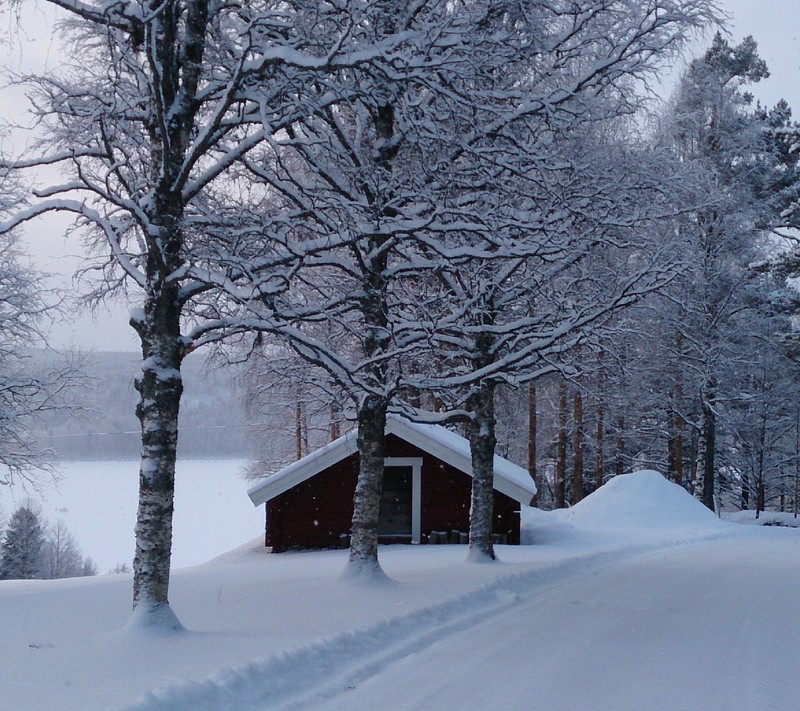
(640,500)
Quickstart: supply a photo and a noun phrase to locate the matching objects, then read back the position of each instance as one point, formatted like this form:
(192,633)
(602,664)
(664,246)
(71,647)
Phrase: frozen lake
(97,501)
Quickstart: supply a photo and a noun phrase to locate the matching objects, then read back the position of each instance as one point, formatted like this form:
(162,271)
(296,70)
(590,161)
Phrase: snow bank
(765,518)
(640,500)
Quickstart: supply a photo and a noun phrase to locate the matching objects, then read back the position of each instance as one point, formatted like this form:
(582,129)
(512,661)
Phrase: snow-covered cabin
(426,492)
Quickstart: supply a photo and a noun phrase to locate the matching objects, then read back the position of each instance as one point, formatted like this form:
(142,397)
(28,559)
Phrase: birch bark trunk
(363,556)
(371,420)
(482,442)
(175,47)
(373,256)
(160,388)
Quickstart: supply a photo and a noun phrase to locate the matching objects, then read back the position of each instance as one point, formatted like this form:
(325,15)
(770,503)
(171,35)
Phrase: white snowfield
(638,598)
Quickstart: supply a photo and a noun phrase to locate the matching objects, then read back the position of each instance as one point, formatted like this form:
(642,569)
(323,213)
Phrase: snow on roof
(509,479)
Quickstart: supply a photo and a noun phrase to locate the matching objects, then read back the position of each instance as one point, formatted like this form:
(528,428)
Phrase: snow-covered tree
(160,101)
(720,137)
(61,555)
(23,543)
(406,172)
(32,381)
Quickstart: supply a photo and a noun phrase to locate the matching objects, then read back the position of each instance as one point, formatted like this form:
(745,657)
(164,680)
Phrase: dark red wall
(317,513)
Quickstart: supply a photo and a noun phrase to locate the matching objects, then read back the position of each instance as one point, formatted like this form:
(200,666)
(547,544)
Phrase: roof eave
(303,469)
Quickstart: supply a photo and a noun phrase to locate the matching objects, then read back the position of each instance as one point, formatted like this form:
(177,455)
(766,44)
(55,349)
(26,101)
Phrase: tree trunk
(675,449)
(170,126)
(298,426)
(760,498)
(760,474)
(599,447)
(577,448)
(160,388)
(373,302)
(334,428)
(619,465)
(532,428)
(482,442)
(363,559)
(367,499)
(694,446)
(709,448)
(675,424)
(744,501)
(560,484)
(796,461)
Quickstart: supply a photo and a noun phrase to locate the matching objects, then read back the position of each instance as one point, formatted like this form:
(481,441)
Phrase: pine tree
(21,551)
(721,138)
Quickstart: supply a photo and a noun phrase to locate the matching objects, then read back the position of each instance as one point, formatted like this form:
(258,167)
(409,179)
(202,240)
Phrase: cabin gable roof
(438,441)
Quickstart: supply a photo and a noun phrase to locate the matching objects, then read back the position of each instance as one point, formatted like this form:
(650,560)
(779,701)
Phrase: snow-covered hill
(597,615)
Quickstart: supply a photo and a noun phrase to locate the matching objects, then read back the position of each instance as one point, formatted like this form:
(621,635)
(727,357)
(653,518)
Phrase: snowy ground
(637,598)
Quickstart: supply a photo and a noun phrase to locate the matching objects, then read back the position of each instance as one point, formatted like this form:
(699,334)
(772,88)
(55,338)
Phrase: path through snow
(679,627)
(700,627)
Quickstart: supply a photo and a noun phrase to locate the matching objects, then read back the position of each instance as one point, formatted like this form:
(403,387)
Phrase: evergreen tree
(721,140)
(21,551)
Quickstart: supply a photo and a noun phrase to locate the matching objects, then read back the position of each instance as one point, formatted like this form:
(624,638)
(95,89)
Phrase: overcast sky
(775,24)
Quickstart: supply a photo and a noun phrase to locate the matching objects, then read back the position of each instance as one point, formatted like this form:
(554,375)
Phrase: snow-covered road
(704,626)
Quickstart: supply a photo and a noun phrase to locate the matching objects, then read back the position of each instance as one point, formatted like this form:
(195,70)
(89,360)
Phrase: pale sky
(775,24)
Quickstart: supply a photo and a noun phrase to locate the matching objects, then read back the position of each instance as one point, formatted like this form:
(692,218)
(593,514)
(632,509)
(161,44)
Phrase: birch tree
(162,99)
(34,380)
(61,555)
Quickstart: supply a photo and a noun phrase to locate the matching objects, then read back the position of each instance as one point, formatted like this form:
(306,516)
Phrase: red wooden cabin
(426,494)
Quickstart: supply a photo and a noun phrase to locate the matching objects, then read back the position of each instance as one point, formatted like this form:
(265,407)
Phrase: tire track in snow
(294,679)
